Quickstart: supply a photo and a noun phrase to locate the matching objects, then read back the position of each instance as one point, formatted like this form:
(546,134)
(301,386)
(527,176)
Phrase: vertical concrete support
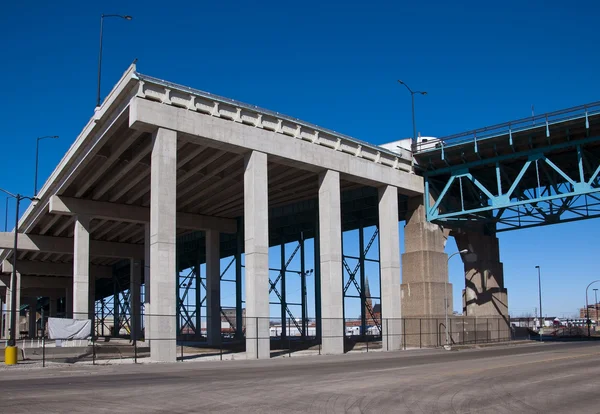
(147,311)
(9,307)
(53,306)
(69,301)
(424,276)
(32,317)
(163,197)
(213,288)
(330,243)
(484,294)
(389,262)
(135,282)
(81,268)
(163,193)
(256,242)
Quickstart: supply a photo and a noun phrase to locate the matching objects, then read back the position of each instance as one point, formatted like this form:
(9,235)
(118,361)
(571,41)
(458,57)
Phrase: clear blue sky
(331,63)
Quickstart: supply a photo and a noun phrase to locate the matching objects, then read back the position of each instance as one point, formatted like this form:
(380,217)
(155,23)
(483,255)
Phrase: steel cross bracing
(281,295)
(364,250)
(187,322)
(104,312)
(541,185)
(192,284)
(223,314)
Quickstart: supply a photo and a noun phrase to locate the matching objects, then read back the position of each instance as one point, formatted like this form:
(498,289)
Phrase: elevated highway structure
(166,182)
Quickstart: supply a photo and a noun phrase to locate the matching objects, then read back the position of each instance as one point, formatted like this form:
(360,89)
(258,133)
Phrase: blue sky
(331,63)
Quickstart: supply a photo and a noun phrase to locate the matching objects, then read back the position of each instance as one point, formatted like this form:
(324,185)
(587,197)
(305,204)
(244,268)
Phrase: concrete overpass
(167,177)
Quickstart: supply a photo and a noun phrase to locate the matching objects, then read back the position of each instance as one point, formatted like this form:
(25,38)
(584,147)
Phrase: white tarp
(59,328)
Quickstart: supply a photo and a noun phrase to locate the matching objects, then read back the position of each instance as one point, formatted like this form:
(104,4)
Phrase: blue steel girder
(540,186)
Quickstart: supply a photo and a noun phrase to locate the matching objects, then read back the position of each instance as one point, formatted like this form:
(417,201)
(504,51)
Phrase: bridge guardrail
(511,127)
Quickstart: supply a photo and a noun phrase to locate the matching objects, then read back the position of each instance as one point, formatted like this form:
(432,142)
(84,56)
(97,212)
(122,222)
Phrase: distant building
(594,311)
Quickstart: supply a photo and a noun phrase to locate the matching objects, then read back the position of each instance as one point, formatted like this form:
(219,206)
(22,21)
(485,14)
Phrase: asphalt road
(510,379)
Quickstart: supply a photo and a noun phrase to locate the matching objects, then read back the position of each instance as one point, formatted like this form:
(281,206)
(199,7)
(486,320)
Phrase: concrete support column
(81,268)
(135,281)
(256,242)
(163,255)
(213,288)
(484,294)
(53,306)
(330,243)
(147,311)
(69,301)
(9,308)
(424,277)
(32,317)
(389,262)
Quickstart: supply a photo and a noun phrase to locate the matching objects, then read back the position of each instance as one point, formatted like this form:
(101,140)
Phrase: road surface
(558,377)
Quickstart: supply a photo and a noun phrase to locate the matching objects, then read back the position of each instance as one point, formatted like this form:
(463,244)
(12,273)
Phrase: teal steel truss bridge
(532,172)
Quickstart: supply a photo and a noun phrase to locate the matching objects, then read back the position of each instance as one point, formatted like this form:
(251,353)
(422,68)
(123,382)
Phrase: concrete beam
(147,115)
(64,245)
(135,214)
(28,282)
(29,267)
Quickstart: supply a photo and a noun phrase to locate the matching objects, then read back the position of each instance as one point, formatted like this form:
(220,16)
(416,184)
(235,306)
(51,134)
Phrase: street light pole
(596,307)
(464,251)
(126,17)
(412,96)
(587,308)
(540,293)
(37,146)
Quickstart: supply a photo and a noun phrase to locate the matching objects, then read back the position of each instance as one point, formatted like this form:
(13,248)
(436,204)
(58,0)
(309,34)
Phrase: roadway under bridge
(170,194)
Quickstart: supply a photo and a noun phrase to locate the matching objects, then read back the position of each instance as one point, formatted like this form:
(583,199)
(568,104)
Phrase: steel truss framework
(278,287)
(116,309)
(539,186)
(191,294)
(191,300)
(367,313)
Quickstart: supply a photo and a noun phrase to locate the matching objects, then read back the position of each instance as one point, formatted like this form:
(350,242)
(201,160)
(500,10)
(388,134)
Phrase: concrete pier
(213,288)
(330,243)
(389,262)
(256,247)
(163,196)
(424,275)
(81,268)
(484,294)
(9,305)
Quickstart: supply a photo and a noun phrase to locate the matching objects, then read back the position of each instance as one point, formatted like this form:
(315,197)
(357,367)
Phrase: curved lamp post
(125,17)
(587,310)
(37,147)
(464,251)
(412,97)
(596,307)
(12,340)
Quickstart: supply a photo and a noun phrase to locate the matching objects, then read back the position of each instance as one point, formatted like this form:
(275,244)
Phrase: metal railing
(512,127)
(309,338)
